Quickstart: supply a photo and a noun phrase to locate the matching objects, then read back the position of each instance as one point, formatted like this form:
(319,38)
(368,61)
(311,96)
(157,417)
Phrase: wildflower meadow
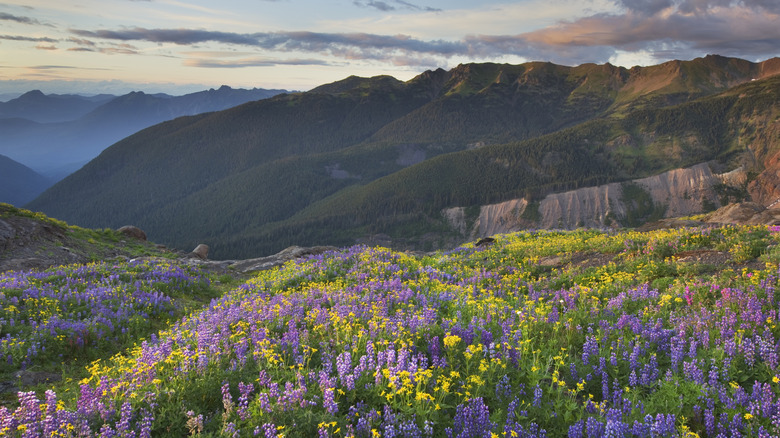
(542,333)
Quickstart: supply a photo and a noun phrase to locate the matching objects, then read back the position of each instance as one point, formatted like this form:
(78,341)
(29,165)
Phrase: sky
(178,46)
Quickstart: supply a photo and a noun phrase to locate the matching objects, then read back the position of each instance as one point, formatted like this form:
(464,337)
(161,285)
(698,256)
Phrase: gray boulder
(133,231)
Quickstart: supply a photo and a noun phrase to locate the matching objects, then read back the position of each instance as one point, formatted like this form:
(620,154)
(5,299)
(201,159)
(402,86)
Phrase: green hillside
(377,155)
(409,201)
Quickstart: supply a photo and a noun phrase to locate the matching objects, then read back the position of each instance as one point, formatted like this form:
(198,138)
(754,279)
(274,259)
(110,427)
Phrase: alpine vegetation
(538,333)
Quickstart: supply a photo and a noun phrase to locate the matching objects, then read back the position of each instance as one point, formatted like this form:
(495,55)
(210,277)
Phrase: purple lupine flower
(472,420)
(537,402)
(243,400)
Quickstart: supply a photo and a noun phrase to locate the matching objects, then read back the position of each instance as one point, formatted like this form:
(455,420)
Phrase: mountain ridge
(303,166)
(46,146)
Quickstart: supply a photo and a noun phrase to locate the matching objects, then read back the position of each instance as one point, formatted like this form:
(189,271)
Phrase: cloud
(694,28)
(382,6)
(82,42)
(24,38)
(284,41)
(385,6)
(250,62)
(666,29)
(24,20)
(50,67)
(176,36)
(43,47)
(645,7)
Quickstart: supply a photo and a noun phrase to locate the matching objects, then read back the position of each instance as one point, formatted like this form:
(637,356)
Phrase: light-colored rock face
(586,207)
(500,218)
(682,191)
(456,217)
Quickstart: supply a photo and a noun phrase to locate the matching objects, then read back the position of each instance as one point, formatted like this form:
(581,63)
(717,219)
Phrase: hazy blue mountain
(48,108)
(56,149)
(18,183)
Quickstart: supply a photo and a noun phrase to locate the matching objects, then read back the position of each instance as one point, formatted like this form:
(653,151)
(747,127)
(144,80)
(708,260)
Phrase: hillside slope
(375,155)
(18,183)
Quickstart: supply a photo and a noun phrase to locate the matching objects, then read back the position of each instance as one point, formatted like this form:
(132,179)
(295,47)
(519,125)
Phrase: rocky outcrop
(278,259)
(133,232)
(27,243)
(680,192)
(586,207)
(749,213)
(201,251)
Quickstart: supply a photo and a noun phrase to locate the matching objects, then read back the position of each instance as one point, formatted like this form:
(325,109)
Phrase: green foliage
(531,212)
(640,207)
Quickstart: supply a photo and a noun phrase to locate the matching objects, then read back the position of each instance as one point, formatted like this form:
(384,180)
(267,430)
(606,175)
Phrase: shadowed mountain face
(18,183)
(56,135)
(52,108)
(365,156)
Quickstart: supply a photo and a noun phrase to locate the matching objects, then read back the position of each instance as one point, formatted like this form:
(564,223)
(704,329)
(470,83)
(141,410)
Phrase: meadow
(542,333)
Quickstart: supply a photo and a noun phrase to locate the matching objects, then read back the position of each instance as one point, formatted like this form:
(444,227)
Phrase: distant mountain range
(57,134)
(367,157)
(18,183)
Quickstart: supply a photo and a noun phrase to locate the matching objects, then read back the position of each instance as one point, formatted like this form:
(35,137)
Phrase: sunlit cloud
(45,47)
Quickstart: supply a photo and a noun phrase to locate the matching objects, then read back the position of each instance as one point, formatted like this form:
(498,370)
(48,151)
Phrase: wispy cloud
(50,67)
(336,43)
(24,20)
(84,45)
(666,28)
(26,38)
(393,5)
(249,62)
(175,36)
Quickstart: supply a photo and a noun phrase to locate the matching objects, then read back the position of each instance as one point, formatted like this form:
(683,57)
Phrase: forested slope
(377,155)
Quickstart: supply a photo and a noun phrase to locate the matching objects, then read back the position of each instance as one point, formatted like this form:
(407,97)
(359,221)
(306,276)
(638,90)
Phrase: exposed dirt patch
(586,260)
(715,258)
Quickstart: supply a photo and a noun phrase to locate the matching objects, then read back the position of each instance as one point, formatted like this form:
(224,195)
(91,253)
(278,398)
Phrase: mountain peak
(32,94)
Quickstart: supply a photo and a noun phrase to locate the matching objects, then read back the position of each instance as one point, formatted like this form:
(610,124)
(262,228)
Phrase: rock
(749,213)
(201,251)
(484,241)
(133,231)
(664,224)
(24,264)
(550,261)
(29,378)
(278,259)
